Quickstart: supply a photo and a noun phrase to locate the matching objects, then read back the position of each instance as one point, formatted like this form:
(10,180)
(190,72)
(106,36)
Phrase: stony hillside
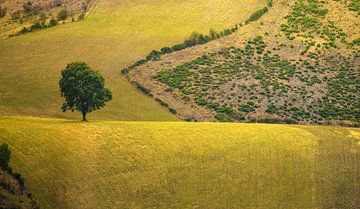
(14,194)
(297,63)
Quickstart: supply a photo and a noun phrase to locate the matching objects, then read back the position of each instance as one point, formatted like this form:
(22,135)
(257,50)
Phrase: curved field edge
(69,164)
(199,85)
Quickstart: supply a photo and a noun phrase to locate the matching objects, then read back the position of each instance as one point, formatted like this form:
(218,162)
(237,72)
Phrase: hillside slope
(37,14)
(298,63)
(114,34)
(70,164)
(14,194)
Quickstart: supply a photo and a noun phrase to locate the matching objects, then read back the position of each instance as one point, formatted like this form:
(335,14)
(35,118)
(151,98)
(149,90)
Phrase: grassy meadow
(69,164)
(114,34)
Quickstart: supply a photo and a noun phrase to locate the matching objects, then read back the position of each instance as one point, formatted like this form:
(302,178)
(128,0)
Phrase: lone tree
(83,88)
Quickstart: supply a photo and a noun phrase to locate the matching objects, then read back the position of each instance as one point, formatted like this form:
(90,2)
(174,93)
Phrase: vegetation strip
(194,39)
(197,39)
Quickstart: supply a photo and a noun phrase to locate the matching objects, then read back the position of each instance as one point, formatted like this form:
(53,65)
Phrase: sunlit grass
(70,164)
(115,34)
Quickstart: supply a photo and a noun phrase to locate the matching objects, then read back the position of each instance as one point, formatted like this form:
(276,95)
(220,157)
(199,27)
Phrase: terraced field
(69,164)
(114,34)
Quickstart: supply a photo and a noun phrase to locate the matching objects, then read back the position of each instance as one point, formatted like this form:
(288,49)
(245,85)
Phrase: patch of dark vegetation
(273,120)
(2,12)
(307,20)
(238,84)
(354,6)
(257,15)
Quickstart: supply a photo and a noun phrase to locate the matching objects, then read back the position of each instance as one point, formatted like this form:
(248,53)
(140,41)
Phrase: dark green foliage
(290,89)
(2,12)
(343,99)
(307,20)
(271,109)
(5,156)
(273,120)
(83,88)
(248,107)
(256,15)
(354,6)
(63,14)
(166,50)
(154,55)
(269,3)
(53,22)
(356,42)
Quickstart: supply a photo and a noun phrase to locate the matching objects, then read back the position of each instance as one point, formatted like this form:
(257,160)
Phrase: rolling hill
(30,64)
(292,61)
(250,60)
(70,164)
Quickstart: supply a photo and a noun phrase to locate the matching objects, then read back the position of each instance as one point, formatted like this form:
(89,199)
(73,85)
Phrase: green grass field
(69,164)
(115,34)
(106,163)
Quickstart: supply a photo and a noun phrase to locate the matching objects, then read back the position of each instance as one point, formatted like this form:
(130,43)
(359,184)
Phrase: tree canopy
(83,88)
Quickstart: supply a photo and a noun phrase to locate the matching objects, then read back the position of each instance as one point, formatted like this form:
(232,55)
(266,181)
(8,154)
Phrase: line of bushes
(194,39)
(62,16)
(256,15)
(36,26)
(273,120)
(197,39)
(148,92)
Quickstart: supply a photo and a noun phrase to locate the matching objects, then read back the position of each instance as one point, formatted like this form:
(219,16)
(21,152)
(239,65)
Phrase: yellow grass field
(99,164)
(115,34)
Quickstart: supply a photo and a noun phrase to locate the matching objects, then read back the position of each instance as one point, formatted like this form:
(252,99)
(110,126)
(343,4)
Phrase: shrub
(63,14)
(53,22)
(256,15)
(271,109)
(166,50)
(248,107)
(154,55)
(5,155)
(2,12)
(172,110)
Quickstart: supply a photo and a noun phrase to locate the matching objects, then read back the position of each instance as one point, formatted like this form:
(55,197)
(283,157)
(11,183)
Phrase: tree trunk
(84,116)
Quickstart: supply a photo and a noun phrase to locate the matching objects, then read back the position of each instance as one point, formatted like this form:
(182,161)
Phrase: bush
(256,15)
(5,155)
(154,55)
(63,14)
(2,12)
(53,22)
(166,50)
